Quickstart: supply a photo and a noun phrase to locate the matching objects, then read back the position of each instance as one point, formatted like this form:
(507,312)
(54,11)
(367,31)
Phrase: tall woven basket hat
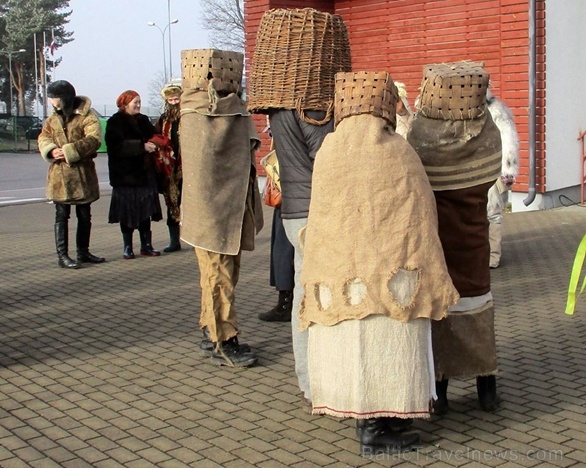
(200,66)
(297,55)
(454,91)
(366,93)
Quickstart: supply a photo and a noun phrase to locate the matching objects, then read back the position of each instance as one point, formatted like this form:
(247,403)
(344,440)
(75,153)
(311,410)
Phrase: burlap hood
(371,244)
(457,153)
(221,209)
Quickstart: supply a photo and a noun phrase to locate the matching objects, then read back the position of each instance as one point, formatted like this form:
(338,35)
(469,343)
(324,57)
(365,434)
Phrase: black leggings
(63,212)
(144,226)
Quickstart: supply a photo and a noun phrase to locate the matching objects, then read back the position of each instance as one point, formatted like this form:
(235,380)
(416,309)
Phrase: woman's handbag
(272,190)
(272,194)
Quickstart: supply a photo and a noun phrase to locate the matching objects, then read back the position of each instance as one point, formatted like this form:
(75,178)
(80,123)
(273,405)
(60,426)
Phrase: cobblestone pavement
(101,367)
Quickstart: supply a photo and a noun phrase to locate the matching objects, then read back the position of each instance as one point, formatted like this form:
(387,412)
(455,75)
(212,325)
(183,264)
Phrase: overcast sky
(114,48)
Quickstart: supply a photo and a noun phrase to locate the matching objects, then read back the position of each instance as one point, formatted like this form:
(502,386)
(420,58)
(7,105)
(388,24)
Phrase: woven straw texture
(297,55)
(365,93)
(454,91)
(199,66)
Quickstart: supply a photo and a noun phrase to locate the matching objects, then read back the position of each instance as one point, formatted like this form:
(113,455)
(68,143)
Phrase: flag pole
(52,49)
(44,76)
(36,75)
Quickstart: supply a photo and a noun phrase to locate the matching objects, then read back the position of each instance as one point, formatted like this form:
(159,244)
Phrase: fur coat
(72,180)
(129,165)
(503,118)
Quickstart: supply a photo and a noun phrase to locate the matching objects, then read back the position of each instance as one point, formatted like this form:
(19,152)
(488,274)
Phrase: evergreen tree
(29,24)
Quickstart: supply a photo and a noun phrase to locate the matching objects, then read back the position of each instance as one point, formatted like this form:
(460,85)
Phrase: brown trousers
(218,278)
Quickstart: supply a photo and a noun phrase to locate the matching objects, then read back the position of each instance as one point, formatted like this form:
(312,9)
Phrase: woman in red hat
(135,198)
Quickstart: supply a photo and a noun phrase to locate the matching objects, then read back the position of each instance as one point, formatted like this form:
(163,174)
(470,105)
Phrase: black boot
(61,243)
(174,244)
(440,406)
(376,438)
(206,346)
(229,353)
(392,423)
(486,388)
(128,252)
(84,228)
(145,244)
(282,311)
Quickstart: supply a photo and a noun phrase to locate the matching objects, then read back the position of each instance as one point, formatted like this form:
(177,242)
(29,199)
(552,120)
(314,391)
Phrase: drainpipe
(532,99)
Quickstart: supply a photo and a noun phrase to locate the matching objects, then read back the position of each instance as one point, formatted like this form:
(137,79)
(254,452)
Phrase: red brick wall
(401,36)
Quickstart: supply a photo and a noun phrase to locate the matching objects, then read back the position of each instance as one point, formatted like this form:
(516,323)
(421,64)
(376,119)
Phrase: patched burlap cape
(371,244)
(221,209)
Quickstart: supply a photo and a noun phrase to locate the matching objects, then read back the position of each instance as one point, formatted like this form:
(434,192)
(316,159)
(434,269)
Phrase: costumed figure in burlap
(169,162)
(460,147)
(69,142)
(296,57)
(498,195)
(374,273)
(221,210)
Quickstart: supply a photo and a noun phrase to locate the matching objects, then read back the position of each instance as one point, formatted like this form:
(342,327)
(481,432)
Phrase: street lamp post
(162,31)
(170,56)
(9,54)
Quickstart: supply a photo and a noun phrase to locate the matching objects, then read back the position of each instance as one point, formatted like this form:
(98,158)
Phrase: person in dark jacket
(69,142)
(172,178)
(135,198)
(297,142)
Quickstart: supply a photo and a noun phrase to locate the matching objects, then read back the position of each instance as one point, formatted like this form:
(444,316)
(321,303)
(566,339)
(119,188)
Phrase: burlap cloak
(221,209)
(457,153)
(371,244)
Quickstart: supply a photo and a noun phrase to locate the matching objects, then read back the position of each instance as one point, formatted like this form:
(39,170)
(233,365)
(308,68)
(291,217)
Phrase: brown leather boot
(282,311)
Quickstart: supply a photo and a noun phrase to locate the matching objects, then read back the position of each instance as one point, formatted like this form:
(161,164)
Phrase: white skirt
(371,368)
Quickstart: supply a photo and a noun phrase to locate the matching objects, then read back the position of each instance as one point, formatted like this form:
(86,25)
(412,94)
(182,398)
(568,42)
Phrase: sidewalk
(100,367)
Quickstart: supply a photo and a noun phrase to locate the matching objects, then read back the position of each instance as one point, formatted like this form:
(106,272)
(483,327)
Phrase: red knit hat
(125,98)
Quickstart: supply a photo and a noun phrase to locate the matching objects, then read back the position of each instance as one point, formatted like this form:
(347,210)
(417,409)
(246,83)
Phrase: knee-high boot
(145,244)
(174,243)
(84,228)
(62,245)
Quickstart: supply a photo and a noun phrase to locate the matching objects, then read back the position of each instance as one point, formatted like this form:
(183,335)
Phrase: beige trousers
(218,278)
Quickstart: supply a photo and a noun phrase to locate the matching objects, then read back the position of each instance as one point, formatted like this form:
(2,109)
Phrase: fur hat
(401,88)
(171,90)
(61,89)
(65,91)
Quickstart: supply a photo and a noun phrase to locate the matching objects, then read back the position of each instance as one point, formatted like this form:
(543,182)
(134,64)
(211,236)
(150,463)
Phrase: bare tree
(155,87)
(224,19)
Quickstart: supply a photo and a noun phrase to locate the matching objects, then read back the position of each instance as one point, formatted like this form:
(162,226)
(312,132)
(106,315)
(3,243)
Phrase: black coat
(128,163)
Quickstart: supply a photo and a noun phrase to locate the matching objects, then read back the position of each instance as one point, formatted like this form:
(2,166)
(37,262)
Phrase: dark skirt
(132,205)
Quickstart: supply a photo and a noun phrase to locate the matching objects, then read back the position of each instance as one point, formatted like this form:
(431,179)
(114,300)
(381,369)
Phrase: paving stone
(102,374)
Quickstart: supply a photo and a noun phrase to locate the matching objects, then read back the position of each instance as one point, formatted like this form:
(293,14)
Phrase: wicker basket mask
(366,93)
(199,66)
(454,91)
(297,55)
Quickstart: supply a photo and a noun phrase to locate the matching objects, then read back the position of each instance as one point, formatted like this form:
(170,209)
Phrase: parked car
(33,132)
(23,123)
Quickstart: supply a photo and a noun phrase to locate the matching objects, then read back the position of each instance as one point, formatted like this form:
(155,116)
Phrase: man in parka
(69,142)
